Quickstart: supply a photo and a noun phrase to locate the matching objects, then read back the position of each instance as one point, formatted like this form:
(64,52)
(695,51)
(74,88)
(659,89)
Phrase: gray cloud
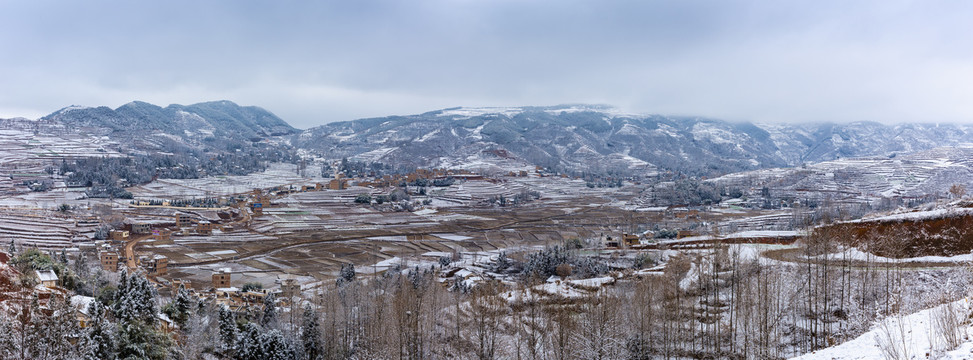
(315,62)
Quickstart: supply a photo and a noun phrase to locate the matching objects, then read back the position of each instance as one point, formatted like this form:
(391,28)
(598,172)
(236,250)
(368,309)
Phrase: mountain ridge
(218,125)
(578,137)
(139,114)
(569,137)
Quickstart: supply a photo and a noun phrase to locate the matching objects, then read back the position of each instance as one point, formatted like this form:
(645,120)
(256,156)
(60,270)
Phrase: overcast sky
(317,62)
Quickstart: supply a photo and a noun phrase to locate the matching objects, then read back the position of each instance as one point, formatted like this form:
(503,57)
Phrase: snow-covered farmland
(277,174)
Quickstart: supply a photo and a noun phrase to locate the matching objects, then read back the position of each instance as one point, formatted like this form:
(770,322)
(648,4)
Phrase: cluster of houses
(48,289)
(222,292)
(617,242)
(260,200)
(111,253)
(427,174)
(110,257)
(162,231)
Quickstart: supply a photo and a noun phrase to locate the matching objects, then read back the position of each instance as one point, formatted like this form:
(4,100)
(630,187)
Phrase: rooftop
(46,275)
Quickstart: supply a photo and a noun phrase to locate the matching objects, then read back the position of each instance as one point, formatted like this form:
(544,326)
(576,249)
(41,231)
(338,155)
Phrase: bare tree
(599,330)
(957,190)
(486,312)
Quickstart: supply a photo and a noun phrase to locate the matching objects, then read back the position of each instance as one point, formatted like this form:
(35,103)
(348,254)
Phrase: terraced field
(43,231)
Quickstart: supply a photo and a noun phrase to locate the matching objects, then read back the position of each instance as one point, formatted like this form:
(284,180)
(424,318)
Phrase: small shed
(47,277)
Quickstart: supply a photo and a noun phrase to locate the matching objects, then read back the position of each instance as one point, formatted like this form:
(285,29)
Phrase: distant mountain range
(592,138)
(600,138)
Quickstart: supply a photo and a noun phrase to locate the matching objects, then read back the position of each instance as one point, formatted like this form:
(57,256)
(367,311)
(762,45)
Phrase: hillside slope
(219,125)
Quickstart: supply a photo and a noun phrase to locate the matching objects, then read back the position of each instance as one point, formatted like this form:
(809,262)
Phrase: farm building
(47,278)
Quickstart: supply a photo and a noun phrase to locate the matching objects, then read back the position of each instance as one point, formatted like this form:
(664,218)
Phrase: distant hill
(602,139)
(863,180)
(219,125)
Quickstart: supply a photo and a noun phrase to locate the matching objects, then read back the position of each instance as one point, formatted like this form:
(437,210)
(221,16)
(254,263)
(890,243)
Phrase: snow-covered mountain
(591,138)
(601,139)
(218,125)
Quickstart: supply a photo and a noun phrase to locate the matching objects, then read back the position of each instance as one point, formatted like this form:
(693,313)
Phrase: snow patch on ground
(452,237)
(389,238)
(479,111)
(425,212)
(374,155)
(751,234)
(921,215)
(858,255)
(914,337)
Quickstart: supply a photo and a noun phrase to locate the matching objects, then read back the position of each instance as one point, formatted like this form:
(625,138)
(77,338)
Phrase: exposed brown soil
(946,236)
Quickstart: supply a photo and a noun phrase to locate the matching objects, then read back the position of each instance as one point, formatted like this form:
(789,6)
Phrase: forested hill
(177,141)
(218,125)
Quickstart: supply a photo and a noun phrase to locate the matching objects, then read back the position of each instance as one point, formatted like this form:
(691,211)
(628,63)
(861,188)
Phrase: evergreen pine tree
(80,266)
(8,338)
(60,326)
(121,291)
(134,307)
(135,299)
(182,304)
(98,342)
(248,343)
(269,317)
(137,340)
(347,274)
(273,346)
(228,330)
(35,346)
(311,334)
(502,262)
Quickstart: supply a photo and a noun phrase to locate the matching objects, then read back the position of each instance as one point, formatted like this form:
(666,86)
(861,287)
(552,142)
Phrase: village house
(165,324)
(205,227)
(47,278)
(109,259)
(630,240)
(118,235)
(177,283)
(610,242)
(221,278)
(141,228)
(337,184)
(162,235)
(289,287)
(184,220)
(236,299)
(158,265)
(81,306)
